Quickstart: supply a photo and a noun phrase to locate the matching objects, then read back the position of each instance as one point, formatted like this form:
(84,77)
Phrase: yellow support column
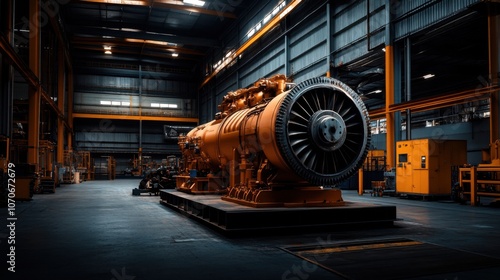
(35,93)
(60,106)
(389,100)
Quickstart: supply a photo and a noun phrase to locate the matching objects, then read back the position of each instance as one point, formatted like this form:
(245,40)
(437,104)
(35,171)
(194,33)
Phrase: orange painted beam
(34,98)
(133,118)
(389,100)
(70,109)
(261,32)
(436,102)
(60,105)
(272,23)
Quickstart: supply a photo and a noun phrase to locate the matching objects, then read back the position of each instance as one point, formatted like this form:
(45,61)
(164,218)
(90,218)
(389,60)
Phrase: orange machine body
(239,153)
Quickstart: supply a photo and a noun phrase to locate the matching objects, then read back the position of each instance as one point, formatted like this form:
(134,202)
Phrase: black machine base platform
(232,217)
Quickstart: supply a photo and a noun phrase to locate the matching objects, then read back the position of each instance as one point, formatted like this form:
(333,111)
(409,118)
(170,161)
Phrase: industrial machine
(172,132)
(155,180)
(424,166)
(278,144)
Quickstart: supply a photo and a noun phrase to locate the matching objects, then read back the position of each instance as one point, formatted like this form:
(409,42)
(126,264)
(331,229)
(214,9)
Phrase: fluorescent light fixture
(267,18)
(155,105)
(105,102)
(175,54)
(251,32)
(168,105)
(107,52)
(428,76)
(108,48)
(129,2)
(194,2)
(153,42)
(125,103)
(131,29)
(276,10)
(116,103)
(122,2)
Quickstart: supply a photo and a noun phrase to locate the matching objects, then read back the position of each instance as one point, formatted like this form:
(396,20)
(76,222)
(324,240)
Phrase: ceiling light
(142,41)
(108,52)
(108,48)
(428,76)
(175,54)
(122,2)
(194,2)
(131,30)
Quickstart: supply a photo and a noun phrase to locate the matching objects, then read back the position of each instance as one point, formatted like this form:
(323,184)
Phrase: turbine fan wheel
(323,131)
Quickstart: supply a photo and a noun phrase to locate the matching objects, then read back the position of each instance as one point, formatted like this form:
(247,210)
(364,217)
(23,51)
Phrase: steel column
(389,88)
(6,92)
(60,104)
(70,109)
(473,186)
(494,66)
(34,93)
(361,182)
(140,110)
(408,85)
(328,40)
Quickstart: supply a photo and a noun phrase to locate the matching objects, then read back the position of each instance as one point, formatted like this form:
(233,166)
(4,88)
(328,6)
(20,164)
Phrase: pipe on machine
(278,144)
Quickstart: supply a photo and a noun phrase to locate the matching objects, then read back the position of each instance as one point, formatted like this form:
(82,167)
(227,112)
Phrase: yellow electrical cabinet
(424,166)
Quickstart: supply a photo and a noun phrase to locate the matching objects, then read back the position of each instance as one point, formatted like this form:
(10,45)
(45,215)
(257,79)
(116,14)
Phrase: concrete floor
(98,230)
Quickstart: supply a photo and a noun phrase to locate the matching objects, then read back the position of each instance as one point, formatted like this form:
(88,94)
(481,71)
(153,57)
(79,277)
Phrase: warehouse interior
(230,139)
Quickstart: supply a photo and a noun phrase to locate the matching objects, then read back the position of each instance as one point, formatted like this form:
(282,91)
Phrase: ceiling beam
(134,118)
(113,33)
(165,4)
(93,41)
(137,54)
